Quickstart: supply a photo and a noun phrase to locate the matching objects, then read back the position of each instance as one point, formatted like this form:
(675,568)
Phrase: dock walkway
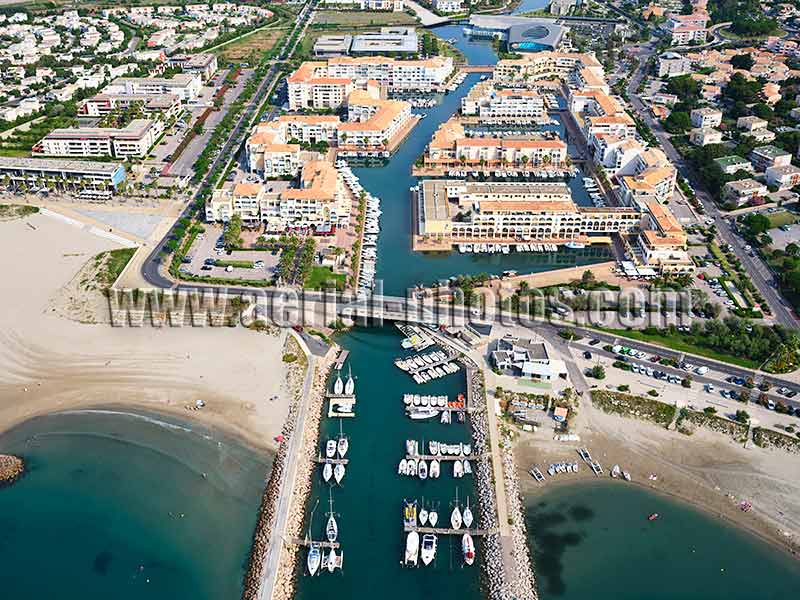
(448,531)
(441,458)
(331,461)
(307,542)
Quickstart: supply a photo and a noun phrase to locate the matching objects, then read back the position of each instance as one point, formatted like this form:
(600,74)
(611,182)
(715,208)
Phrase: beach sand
(55,354)
(706,469)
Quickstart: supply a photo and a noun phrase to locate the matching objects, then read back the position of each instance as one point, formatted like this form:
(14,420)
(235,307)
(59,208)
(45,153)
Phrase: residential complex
(88,180)
(185,85)
(132,141)
(494,105)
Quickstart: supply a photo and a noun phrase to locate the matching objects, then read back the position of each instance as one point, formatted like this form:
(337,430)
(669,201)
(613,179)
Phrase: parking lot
(207,252)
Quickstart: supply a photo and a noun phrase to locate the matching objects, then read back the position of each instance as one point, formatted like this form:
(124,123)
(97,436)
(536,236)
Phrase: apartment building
(320,201)
(513,210)
(326,84)
(202,64)
(493,105)
(685,29)
(185,85)
(765,157)
(706,117)
(165,106)
(310,129)
(705,136)
(783,177)
(135,140)
(527,70)
(92,180)
(743,191)
(672,64)
(733,164)
(448,6)
(378,5)
(372,123)
(751,123)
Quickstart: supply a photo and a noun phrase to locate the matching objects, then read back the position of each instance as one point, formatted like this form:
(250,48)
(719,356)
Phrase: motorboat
(338,387)
(412,548)
(333,560)
(418,414)
(433,447)
(402,468)
(410,446)
(445,420)
(314,558)
(468,548)
(422,469)
(327,471)
(330,448)
(423,517)
(467,467)
(615,472)
(467,449)
(458,469)
(433,518)
(434,469)
(410,513)
(412,467)
(455,518)
(467,516)
(338,473)
(626,475)
(428,552)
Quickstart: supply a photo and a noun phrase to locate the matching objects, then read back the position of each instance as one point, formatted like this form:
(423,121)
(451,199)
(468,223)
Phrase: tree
(742,416)
(742,61)
(678,122)
(233,233)
(792,249)
(598,372)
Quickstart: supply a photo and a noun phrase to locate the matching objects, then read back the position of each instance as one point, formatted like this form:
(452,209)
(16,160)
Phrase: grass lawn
(717,253)
(363,19)
(236,264)
(16,211)
(259,42)
(324,275)
(683,343)
(110,264)
(781,218)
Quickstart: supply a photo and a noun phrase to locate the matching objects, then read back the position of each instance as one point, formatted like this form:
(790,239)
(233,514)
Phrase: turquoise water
(116,506)
(369,502)
(593,540)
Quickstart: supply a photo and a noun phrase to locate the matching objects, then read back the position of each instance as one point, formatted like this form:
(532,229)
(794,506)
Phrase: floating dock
(335,400)
(448,531)
(306,542)
(331,461)
(441,458)
(341,359)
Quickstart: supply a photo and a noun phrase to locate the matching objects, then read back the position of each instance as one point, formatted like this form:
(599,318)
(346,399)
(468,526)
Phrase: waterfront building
(90,180)
(525,71)
(320,201)
(521,34)
(135,140)
(527,359)
(448,6)
(493,105)
(372,123)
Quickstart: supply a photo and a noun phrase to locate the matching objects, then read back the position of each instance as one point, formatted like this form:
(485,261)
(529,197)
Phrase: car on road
(587,355)
(206,268)
(709,387)
(594,342)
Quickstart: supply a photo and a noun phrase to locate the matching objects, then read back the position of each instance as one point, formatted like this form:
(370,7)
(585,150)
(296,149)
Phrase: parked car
(587,355)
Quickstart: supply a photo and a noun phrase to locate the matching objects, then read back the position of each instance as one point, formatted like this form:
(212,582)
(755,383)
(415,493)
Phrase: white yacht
(428,548)
(330,448)
(350,386)
(422,470)
(423,517)
(331,529)
(458,469)
(455,518)
(468,548)
(467,516)
(467,468)
(433,518)
(412,548)
(338,473)
(314,558)
(338,387)
(327,471)
(434,469)
(402,468)
(342,446)
(333,560)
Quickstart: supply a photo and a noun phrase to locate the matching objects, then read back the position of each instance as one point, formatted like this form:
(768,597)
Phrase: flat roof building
(91,180)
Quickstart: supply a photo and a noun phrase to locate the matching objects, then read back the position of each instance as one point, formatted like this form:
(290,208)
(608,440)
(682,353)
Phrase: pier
(437,363)
(308,543)
(448,531)
(331,461)
(336,400)
(340,360)
(442,458)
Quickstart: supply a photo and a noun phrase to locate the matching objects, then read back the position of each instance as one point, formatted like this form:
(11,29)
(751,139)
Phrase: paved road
(758,271)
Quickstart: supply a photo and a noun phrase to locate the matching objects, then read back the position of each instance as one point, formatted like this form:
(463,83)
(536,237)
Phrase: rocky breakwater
(11,469)
(503,579)
(266,514)
(285,579)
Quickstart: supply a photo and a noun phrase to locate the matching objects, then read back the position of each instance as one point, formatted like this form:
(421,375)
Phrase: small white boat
(410,445)
(467,468)
(435,469)
(350,386)
(467,516)
(338,387)
(412,467)
(626,475)
(330,448)
(412,548)
(433,447)
(422,413)
(423,517)
(331,529)
(455,518)
(445,419)
(422,469)
(428,548)
(615,472)
(433,518)
(342,446)
(327,471)
(458,469)
(314,559)
(468,549)
(467,449)
(402,468)
(338,473)
(333,560)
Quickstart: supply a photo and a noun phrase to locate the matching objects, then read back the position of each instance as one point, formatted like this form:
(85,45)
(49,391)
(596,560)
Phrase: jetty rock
(11,468)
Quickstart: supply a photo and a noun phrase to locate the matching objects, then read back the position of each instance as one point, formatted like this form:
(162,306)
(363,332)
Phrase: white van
(701,370)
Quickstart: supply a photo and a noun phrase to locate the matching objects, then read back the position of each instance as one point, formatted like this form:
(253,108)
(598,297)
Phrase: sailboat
(428,548)
(338,473)
(331,528)
(412,548)
(455,518)
(423,517)
(314,558)
(327,471)
(433,518)
(343,444)
(422,469)
(338,387)
(330,448)
(467,516)
(350,386)
(468,548)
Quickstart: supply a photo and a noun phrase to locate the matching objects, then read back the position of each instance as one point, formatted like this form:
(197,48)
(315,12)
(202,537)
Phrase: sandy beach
(706,469)
(57,353)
